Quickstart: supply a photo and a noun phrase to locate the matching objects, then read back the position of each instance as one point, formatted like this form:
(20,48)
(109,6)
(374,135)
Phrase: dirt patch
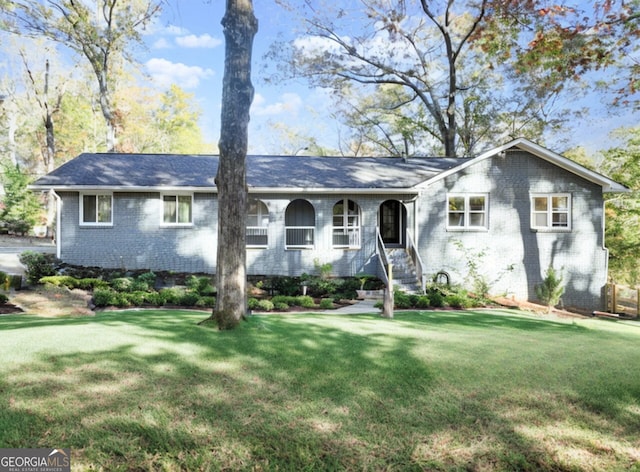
(53,301)
(537,308)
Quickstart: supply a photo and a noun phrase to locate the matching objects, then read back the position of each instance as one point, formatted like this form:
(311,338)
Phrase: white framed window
(300,225)
(467,211)
(257,234)
(177,210)
(96,209)
(551,211)
(346,224)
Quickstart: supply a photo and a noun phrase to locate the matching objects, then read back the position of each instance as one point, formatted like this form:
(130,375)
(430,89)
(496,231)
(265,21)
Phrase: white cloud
(165,73)
(161,44)
(202,41)
(289,103)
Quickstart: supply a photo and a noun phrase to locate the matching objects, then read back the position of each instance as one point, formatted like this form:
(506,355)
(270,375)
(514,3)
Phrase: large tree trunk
(240,26)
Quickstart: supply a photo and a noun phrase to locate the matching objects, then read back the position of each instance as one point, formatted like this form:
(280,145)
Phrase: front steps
(404,271)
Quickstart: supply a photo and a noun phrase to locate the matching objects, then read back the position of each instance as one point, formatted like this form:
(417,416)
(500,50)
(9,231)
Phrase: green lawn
(475,390)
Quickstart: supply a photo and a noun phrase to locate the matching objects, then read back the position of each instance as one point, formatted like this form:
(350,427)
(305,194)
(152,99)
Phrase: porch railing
(417,262)
(300,237)
(387,270)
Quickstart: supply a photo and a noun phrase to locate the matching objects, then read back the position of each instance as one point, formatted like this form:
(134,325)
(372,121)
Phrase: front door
(391,223)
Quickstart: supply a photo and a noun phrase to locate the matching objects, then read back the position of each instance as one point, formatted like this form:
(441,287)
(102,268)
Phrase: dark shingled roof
(139,171)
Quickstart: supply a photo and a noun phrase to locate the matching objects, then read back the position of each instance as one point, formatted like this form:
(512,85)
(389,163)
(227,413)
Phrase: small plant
(326,303)
(551,288)
(324,270)
(281,306)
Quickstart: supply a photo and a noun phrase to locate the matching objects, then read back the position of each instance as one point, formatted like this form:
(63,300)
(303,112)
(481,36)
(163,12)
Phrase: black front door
(391,213)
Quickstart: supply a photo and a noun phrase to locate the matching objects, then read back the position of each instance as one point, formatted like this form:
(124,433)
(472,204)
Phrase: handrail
(382,259)
(417,262)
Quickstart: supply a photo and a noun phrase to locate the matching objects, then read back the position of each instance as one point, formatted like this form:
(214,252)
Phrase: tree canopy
(458,75)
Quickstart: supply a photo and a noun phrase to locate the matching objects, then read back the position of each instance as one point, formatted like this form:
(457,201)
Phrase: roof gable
(607,184)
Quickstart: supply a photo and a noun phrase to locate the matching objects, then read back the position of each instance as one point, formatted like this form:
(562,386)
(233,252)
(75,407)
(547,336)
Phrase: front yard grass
(451,390)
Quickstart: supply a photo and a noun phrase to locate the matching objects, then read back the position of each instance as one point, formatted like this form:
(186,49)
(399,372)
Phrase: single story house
(511,212)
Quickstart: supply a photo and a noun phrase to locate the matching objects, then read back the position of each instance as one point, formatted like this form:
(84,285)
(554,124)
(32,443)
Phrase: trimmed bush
(200,285)
(265,305)
(206,302)
(188,299)
(253,303)
(122,284)
(281,306)
(171,296)
(104,297)
(305,301)
(326,303)
(3,299)
(423,302)
(283,300)
(38,265)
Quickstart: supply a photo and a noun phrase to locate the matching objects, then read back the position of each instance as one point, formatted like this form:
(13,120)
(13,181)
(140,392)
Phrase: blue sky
(186,47)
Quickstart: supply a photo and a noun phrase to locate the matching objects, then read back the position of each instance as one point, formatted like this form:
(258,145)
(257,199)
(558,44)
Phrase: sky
(186,47)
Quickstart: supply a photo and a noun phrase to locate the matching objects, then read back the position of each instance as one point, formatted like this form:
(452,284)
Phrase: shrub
(253,303)
(458,300)
(200,285)
(3,299)
(104,297)
(171,296)
(286,285)
(326,303)
(148,277)
(283,299)
(206,302)
(551,289)
(60,281)
(265,305)
(436,299)
(139,286)
(281,306)
(305,301)
(401,300)
(188,299)
(423,302)
(122,284)
(135,298)
(153,298)
(38,265)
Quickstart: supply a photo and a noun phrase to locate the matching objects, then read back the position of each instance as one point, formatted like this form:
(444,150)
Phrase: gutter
(273,190)
(58,223)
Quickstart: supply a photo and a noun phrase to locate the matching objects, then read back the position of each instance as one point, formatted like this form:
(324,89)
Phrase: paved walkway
(361,307)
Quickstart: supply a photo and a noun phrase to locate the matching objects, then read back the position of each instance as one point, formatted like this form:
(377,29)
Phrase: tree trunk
(240,27)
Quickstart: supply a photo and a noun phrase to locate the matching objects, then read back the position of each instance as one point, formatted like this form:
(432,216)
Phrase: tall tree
(240,26)
(99,32)
(472,70)
(622,237)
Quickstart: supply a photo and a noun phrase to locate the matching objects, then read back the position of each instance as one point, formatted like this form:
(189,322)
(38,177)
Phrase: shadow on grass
(285,392)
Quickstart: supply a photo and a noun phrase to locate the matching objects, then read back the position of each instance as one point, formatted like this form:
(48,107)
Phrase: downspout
(58,223)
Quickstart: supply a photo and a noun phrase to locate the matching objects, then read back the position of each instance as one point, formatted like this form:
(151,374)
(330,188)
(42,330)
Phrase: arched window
(257,224)
(346,224)
(300,222)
